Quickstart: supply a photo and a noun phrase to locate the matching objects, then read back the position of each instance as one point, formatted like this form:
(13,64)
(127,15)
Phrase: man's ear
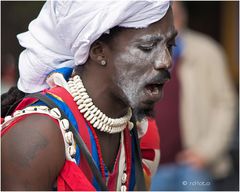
(97,52)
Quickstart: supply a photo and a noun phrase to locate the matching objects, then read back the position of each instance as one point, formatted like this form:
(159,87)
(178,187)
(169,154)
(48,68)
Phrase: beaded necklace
(92,114)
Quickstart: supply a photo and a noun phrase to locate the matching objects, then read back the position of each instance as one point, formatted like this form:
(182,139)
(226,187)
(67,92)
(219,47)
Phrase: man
(197,129)
(122,53)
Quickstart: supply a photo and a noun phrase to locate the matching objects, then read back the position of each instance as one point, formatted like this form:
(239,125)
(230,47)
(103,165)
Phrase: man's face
(140,61)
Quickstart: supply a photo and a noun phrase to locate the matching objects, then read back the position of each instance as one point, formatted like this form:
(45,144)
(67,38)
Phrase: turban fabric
(63,32)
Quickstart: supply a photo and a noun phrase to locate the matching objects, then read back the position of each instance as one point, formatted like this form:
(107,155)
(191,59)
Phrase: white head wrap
(63,32)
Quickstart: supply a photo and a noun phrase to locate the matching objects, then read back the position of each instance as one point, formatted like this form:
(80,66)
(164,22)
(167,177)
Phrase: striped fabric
(65,101)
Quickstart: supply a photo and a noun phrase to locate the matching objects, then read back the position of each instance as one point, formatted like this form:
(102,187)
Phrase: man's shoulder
(32,130)
(33,143)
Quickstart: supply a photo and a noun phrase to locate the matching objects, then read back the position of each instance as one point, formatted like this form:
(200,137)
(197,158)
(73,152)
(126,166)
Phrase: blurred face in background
(179,15)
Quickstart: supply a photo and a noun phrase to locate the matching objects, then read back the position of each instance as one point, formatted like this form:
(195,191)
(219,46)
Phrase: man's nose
(163,60)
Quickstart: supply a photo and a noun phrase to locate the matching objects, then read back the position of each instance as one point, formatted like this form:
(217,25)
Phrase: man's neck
(99,91)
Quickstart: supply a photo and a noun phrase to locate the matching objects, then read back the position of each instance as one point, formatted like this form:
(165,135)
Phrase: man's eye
(146,48)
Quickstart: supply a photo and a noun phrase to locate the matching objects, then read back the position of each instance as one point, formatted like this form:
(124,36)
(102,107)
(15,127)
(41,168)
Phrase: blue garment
(173,177)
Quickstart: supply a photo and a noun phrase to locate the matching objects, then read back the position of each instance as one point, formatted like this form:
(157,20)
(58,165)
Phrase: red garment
(167,118)
(73,177)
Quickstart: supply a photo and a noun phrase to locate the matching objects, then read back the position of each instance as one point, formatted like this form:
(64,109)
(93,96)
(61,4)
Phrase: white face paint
(140,64)
(131,76)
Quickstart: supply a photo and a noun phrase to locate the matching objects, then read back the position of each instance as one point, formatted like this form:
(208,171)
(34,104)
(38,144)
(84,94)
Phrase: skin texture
(32,154)
(33,150)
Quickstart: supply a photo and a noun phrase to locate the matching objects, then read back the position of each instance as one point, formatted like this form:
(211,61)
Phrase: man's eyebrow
(148,38)
(158,37)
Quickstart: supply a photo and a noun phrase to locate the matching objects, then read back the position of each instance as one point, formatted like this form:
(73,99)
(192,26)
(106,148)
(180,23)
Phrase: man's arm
(33,154)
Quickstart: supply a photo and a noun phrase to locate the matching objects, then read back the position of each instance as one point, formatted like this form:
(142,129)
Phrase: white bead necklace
(92,114)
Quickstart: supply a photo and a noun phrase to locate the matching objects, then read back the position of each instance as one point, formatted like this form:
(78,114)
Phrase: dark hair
(13,96)
(107,37)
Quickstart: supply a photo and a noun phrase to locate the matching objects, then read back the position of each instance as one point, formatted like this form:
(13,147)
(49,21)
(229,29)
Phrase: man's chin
(141,113)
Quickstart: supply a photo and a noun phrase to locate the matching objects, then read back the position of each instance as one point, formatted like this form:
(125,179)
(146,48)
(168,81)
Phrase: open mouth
(154,91)
(154,88)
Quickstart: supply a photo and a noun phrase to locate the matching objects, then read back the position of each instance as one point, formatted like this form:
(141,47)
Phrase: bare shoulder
(33,154)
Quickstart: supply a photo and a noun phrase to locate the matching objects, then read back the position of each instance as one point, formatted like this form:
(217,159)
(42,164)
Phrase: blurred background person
(196,129)
(8,73)
(10,27)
